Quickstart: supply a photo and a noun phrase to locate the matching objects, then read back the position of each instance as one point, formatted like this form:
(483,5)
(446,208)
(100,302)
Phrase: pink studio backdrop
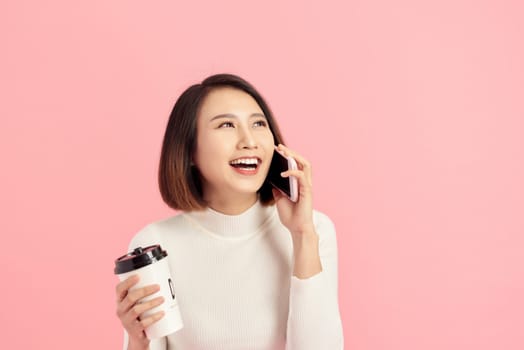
(410,111)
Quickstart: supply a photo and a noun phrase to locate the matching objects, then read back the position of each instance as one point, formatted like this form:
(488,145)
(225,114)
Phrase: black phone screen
(279,164)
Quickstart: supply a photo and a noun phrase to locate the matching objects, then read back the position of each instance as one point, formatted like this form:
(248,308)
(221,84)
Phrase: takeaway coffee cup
(150,263)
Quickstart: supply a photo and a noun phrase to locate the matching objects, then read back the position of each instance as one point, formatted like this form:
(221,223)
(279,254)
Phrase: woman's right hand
(130,308)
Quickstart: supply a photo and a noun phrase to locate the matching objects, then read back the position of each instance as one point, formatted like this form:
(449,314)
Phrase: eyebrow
(231,115)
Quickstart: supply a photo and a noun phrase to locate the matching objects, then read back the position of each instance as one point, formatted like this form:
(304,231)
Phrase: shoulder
(155,232)
(325,229)
(323,224)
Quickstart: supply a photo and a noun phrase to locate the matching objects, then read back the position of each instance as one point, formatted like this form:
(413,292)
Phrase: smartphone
(286,185)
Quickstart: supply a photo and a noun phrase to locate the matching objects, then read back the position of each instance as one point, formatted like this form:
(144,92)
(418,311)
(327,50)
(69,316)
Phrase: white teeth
(245,161)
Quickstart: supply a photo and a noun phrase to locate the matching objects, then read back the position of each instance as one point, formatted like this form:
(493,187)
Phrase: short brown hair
(180,183)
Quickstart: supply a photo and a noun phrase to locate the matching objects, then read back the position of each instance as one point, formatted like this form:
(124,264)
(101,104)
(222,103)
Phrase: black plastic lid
(138,258)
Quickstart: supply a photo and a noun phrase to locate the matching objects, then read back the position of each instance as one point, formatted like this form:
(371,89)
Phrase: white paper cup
(150,263)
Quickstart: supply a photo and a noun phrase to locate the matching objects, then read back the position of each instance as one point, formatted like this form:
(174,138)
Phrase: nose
(246,139)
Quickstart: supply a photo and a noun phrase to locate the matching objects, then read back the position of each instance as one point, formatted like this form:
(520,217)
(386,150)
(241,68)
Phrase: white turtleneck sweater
(234,284)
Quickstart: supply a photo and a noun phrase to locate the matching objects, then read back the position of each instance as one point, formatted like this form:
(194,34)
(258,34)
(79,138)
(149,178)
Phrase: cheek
(269,139)
(210,151)
(202,153)
(206,165)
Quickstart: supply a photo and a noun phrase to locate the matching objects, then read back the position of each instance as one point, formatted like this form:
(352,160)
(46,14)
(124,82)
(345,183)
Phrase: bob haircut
(180,182)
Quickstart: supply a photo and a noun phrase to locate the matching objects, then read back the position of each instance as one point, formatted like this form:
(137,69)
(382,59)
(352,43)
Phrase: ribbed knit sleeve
(314,319)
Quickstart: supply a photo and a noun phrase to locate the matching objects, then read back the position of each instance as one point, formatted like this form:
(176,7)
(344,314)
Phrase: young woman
(252,269)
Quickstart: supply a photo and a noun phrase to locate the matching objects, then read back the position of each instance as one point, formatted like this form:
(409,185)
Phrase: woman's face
(234,145)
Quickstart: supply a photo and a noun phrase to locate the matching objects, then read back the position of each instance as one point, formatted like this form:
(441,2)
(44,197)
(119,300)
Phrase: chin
(247,189)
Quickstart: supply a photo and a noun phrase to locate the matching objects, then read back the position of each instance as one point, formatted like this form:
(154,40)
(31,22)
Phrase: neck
(232,205)
(233,226)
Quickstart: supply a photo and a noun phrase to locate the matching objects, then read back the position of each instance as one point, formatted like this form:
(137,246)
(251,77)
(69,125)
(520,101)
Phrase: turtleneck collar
(240,226)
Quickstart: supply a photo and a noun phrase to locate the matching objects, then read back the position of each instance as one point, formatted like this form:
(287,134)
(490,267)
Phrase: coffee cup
(150,263)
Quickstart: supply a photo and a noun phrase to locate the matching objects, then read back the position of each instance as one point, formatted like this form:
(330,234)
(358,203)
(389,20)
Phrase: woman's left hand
(297,217)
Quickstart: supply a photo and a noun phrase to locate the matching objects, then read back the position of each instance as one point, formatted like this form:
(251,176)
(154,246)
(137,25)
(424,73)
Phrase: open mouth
(245,163)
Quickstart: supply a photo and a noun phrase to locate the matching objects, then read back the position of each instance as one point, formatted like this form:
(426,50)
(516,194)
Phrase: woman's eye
(226,125)
(261,123)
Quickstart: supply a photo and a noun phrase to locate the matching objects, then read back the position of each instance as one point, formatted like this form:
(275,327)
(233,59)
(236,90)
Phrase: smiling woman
(234,149)
(220,101)
(251,269)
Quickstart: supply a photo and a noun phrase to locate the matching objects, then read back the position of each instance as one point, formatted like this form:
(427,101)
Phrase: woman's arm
(314,318)
(306,256)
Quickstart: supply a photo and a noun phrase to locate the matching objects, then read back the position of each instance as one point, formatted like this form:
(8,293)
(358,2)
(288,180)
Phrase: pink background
(412,113)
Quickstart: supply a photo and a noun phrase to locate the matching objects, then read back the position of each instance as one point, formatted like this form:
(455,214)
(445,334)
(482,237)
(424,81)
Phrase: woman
(252,269)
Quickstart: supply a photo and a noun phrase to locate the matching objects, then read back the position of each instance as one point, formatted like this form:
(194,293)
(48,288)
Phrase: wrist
(306,255)
(138,344)
(304,231)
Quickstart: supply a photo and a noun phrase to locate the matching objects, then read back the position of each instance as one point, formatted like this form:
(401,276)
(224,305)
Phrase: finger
(123,287)
(148,321)
(302,179)
(138,309)
(303,163)
(140,293)
(138,326)
(135,295)
(136,314)
(291,153)
(304,187)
